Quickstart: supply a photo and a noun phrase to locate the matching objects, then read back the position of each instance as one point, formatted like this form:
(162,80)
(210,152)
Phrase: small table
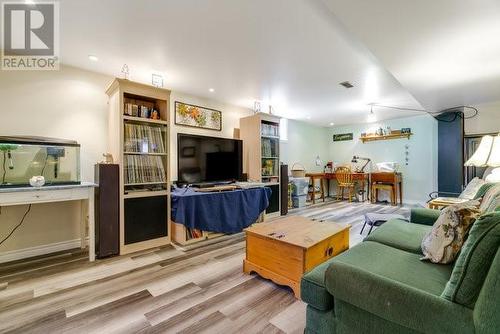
(313,177)
(49,194)
(394,180)
(284,249)
(442,202)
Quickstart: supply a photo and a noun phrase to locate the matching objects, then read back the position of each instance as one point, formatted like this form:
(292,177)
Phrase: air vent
(346,84)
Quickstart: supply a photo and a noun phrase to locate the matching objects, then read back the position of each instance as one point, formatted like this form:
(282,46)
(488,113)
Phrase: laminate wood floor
(166,290)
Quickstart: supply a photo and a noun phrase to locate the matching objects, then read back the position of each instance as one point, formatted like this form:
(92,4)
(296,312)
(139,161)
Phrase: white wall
(487,120)
(69,104)
(72,104)
(230,120)
(420,176)
(305,142)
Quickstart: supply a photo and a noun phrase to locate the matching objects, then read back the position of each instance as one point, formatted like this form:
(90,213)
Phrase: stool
(383,186)
(312,186)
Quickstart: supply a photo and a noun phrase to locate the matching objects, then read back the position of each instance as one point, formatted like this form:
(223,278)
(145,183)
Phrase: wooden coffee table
(284,249)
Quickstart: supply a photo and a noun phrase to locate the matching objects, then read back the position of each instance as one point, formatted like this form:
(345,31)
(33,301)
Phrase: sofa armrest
(397,302)
(424,216)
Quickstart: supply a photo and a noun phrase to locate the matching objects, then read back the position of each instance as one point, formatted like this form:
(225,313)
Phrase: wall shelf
(386,137)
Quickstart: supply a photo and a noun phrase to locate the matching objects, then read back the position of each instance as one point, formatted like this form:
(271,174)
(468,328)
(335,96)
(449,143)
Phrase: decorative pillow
(473,263)
(484,188)
(444,241)
(489,197)
(472,188)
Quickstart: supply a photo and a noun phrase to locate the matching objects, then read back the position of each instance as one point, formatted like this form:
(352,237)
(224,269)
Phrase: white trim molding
(19,254)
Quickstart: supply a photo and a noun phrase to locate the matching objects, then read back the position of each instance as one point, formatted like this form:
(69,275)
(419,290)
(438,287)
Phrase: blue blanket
(222,212)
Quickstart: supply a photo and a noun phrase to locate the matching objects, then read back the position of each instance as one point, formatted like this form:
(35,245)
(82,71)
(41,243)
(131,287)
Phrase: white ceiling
(290,53)
(445,52)
(294,53)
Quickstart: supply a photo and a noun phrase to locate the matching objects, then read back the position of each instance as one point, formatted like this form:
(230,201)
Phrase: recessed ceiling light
(332,124)
(93,58)
(211,90)
(346,84)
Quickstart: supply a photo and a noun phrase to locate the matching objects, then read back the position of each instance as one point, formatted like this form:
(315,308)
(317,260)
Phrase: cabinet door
(145,218)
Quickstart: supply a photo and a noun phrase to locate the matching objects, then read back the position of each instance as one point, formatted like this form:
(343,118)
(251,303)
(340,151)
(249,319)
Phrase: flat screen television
(202,159)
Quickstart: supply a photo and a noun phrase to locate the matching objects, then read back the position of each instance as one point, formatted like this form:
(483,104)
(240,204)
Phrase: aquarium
(22,158)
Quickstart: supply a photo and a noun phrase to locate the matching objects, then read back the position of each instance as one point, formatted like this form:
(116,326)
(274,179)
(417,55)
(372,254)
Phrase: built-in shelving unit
(261,153)
(139,142)
(386,137)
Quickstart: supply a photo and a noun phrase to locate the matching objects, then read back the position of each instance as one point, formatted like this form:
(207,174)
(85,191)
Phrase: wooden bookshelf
(261,154)
(139,143)
(385,137)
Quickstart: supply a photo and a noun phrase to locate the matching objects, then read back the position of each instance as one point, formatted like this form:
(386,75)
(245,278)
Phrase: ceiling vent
(346,84)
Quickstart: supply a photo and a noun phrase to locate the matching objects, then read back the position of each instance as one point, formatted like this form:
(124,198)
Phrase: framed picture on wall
(197,117)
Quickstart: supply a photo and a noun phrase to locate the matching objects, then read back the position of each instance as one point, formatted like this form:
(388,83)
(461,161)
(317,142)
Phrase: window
(283,129)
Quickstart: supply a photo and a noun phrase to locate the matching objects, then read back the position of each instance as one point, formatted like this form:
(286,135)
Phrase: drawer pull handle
(329,251)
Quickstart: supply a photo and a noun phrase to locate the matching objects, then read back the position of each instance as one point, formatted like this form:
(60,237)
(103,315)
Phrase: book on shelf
(142,111)
(141,169)
(143,139)
(270,130)
(192,233)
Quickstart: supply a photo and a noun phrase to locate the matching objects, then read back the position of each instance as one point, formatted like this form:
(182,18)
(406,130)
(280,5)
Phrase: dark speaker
(284,189)
(107,210)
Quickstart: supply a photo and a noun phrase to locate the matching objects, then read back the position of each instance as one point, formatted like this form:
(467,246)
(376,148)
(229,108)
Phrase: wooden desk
(393,179)
(83,192)
(363,178)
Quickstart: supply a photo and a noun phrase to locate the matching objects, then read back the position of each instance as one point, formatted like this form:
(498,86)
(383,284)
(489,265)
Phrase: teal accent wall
(419,176)
(305,142)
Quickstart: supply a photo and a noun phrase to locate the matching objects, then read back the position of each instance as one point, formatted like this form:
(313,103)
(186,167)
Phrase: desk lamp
(355,160)
(487,155)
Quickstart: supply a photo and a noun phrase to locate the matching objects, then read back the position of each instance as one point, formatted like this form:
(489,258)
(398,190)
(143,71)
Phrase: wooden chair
(345,180)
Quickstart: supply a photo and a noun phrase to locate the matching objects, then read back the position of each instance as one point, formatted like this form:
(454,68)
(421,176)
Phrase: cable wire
(17,226)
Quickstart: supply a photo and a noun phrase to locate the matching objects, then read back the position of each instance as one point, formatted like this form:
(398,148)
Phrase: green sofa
(382,286)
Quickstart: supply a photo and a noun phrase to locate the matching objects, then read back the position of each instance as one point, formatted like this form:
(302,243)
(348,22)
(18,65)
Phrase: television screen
(208,159)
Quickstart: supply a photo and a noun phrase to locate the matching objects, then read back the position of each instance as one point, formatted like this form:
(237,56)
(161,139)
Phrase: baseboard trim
(19,254)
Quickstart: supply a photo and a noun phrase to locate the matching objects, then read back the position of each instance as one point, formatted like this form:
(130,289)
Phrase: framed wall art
(197,117)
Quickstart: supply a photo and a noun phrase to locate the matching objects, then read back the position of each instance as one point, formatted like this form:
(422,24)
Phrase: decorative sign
(343,137)
(406,130)
(197,117)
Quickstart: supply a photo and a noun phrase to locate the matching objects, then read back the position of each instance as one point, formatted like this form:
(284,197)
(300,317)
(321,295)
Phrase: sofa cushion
(472,188)
(312,288)
(489,198)
(400,234)
(395,285)
(484,188)
(473,263)
(444,241)
(424,216)
(397,265)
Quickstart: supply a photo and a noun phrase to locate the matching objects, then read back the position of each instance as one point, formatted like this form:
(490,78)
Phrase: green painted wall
(305,142)
(420,175)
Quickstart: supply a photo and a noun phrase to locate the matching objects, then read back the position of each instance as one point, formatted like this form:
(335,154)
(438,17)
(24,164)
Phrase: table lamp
(487,155)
